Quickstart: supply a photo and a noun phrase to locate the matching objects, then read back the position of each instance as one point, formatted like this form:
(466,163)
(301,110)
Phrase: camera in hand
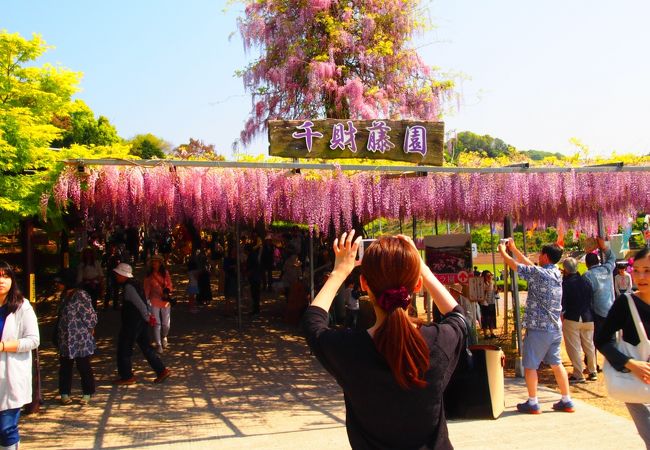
(167,296)
(365,243)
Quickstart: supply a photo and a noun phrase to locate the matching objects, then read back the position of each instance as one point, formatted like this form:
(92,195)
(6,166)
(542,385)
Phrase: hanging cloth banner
(418,142)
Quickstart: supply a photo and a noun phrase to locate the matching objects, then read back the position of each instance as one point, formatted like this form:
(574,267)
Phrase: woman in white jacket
(19,331)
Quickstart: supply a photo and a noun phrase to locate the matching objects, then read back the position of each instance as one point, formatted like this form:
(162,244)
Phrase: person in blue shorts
(541,320)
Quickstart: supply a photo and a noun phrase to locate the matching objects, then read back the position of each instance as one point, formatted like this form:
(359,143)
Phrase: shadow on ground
(227,383)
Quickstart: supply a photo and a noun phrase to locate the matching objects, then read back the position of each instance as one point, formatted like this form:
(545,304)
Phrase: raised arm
(609,257)
(345,251)
(440,295)
(520,257)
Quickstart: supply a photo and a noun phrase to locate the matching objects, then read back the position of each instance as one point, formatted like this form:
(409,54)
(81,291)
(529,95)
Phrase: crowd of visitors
(416,361)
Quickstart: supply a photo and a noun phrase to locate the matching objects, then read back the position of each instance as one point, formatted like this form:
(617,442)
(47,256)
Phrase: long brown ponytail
(391,267)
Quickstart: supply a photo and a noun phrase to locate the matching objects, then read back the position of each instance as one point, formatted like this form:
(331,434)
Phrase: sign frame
(332,139)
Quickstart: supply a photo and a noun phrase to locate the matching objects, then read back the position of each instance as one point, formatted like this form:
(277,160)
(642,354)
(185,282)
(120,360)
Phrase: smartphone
(363,246)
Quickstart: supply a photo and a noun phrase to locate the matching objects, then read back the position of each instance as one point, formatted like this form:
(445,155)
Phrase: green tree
(466,141)
(30,97)
(148,146)
(81,127)
(539,155)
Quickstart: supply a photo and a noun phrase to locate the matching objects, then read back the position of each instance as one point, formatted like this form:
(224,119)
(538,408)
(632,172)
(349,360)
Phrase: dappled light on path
(226,384)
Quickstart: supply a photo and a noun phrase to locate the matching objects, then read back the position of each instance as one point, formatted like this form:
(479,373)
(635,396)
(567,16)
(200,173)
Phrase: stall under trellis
(331,197)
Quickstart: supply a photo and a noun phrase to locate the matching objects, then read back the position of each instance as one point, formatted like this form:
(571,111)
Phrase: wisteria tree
(336,59)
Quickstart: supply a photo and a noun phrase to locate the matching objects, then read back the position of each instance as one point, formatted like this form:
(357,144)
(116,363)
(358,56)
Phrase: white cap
(124,269)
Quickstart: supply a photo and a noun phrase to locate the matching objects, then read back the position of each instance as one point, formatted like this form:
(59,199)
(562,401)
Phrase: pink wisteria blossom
(336,59)
(332,201)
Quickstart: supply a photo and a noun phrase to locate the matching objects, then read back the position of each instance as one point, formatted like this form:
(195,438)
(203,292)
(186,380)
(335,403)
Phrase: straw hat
(456,287)
(124,269)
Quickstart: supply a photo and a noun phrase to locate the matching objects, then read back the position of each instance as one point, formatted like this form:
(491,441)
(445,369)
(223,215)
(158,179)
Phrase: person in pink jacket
(157,287)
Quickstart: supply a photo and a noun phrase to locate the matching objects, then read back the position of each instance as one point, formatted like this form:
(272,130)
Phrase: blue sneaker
(528,408)
(563,406)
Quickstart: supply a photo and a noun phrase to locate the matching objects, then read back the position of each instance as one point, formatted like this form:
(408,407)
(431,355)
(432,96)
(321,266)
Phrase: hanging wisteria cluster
(337,59)
(215,198)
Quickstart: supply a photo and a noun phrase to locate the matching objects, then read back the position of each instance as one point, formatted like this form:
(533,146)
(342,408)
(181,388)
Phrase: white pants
(163,319)
(579,336)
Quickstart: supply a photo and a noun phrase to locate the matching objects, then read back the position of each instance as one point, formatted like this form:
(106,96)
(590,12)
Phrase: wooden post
(29,290)
(64,251)
(27,244)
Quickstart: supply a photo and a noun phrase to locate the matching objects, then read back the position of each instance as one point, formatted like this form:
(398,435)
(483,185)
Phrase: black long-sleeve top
(379,413)
(577,296)
(620,318)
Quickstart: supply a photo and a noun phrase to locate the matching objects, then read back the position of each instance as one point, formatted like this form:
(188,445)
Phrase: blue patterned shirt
(76,323)
(544,303)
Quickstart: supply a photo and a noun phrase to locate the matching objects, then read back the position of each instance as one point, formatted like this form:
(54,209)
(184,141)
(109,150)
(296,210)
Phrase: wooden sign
(418,142)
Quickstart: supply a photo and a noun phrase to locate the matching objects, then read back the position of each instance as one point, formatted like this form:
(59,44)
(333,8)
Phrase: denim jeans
(9,427)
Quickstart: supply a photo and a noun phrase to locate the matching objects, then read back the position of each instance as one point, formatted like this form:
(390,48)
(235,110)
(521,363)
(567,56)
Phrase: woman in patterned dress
(76,341)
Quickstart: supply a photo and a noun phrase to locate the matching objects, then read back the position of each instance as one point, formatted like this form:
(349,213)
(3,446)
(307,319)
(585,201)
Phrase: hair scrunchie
(391,299)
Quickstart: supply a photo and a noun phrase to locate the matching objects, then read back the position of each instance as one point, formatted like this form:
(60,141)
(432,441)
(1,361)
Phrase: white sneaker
(159,349)
(164,342)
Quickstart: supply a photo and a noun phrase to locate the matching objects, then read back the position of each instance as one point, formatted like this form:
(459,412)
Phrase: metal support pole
(601,234)
(414,297)
(494,262)
(311,264)
(523,229)
(238,248)
(415,225)
(519,368)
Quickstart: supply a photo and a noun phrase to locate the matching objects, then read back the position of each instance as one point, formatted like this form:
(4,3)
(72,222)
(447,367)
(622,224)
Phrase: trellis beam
(522,168)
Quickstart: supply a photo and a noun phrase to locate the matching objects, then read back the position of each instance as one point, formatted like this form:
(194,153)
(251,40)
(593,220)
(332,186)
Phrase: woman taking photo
(620,318)
(393,375)
(157,287)
(75,338)
(19,331)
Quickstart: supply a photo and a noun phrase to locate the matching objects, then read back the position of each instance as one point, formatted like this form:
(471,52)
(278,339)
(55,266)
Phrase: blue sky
(534,74)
